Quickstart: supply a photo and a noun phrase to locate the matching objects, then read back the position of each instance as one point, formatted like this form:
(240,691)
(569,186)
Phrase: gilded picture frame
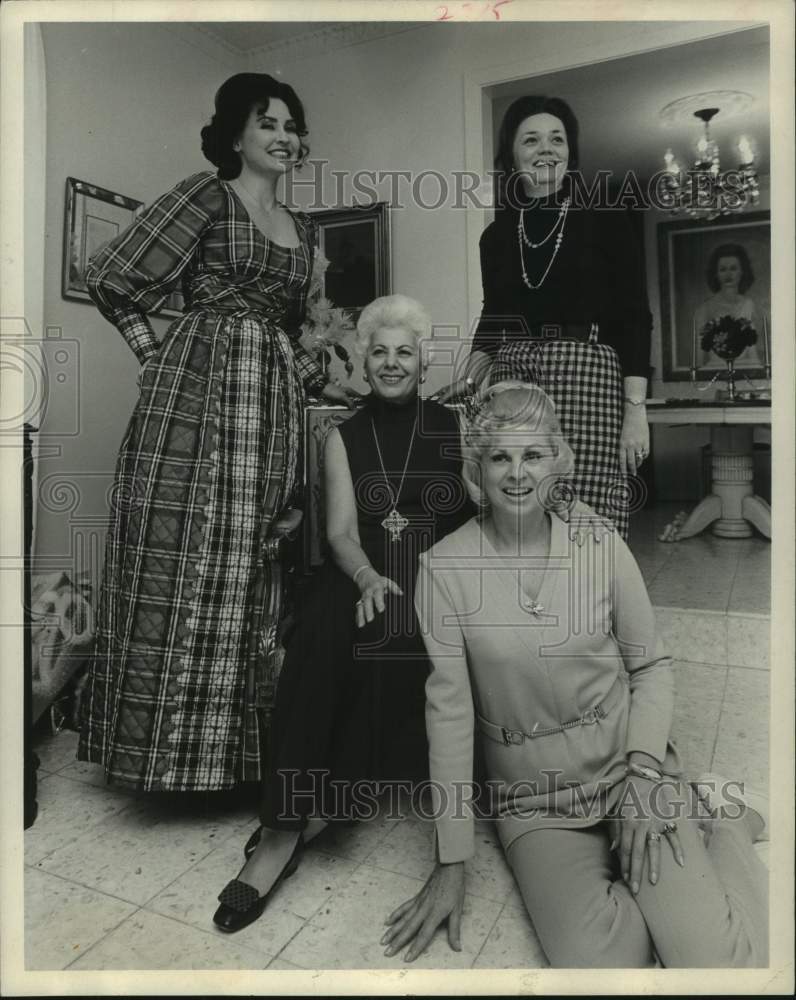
(93,216)
(685,249)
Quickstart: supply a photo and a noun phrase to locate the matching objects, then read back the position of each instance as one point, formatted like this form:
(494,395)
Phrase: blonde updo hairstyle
(527,411)
(392,311)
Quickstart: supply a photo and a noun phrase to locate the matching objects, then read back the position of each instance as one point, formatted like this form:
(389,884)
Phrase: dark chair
(279,556)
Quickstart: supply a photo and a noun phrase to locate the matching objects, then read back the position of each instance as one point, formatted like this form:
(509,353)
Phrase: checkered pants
(584,380)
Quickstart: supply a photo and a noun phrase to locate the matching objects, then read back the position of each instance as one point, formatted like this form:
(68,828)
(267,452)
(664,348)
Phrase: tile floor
(115,881)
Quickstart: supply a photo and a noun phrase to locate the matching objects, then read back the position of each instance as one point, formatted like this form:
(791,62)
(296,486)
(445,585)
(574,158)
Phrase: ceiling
(248,37)
(618,102)
(245,36)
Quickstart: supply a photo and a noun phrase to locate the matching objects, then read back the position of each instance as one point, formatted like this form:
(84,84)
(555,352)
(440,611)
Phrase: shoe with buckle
(241,903)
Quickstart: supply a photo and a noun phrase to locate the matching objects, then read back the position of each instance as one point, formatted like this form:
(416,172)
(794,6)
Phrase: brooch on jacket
(534,607)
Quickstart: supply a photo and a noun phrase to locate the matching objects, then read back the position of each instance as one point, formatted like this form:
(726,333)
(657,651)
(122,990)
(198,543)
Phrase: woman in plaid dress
(210,456)
(565,304)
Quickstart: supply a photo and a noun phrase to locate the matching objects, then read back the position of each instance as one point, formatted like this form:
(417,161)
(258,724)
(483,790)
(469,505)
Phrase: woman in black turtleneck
(350,701)
(565,303)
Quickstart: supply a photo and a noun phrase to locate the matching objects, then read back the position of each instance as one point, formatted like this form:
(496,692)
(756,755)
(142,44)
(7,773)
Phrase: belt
(516,737)
(587,333)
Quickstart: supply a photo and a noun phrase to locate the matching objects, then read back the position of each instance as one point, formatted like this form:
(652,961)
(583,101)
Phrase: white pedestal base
(732,508)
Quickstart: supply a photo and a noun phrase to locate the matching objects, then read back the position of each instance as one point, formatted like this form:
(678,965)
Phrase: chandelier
(705,191)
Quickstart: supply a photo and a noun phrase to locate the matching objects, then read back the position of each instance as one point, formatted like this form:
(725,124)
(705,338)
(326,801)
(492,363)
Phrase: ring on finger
(653,836)
(670,827)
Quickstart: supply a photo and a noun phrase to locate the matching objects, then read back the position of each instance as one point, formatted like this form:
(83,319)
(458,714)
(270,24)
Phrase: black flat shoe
(251,844)
(241,904)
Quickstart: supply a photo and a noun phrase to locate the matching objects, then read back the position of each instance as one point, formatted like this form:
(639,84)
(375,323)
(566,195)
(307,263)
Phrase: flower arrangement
(727,336)
(325,324)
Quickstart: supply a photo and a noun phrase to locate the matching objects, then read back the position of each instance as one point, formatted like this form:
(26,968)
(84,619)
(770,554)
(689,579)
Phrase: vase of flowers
(728,337)
(325,325)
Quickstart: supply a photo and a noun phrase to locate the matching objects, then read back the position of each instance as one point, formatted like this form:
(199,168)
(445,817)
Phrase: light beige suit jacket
(495,659)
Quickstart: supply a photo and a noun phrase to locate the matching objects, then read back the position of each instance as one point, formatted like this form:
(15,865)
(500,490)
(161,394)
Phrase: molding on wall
(199,38)
(331,38)
(214,39)
(318,42)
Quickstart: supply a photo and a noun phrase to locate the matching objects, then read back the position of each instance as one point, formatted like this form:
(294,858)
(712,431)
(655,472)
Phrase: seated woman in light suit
(541,635)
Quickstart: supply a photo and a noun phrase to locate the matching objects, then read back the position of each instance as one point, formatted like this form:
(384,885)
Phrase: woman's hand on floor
(416,920)
(647,816)
(373,590)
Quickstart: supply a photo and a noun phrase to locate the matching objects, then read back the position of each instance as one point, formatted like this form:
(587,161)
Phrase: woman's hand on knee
(416,920)
(647,816)
(374,589)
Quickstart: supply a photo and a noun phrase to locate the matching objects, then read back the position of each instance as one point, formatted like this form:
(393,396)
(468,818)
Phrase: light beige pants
(712,913)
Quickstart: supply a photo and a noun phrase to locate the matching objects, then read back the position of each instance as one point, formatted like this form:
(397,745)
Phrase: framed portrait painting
(93,216)
(708,270)
(356,242)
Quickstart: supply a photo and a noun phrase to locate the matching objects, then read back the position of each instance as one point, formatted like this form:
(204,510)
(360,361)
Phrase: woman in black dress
(350,700)
(565,303)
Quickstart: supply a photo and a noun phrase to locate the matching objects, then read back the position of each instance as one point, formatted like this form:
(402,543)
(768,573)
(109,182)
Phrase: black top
(433,497)
(597,276)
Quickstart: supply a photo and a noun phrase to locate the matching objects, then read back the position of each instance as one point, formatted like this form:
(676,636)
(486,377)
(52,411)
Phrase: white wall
(125,104)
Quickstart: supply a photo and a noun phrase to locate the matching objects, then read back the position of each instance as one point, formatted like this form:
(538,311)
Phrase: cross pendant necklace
(394,522)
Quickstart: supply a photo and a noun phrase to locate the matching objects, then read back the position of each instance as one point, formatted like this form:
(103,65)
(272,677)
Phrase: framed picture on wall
(356,242)
(93,216)
(709,270)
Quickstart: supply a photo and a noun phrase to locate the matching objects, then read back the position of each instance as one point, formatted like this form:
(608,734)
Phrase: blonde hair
(391,310)
(521,409)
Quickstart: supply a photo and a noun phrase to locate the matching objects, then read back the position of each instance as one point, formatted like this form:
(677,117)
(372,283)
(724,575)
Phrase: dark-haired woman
(729,276)
(565,303)
(209,458)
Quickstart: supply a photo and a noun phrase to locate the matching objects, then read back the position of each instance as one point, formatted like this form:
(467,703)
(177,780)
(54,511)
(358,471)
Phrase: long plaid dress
(209,459)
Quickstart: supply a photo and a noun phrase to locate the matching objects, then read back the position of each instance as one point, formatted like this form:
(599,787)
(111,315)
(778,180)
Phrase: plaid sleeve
(134,273)
(310,372)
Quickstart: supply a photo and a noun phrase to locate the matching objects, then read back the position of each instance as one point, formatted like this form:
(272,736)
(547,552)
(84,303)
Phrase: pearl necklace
(522,239)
